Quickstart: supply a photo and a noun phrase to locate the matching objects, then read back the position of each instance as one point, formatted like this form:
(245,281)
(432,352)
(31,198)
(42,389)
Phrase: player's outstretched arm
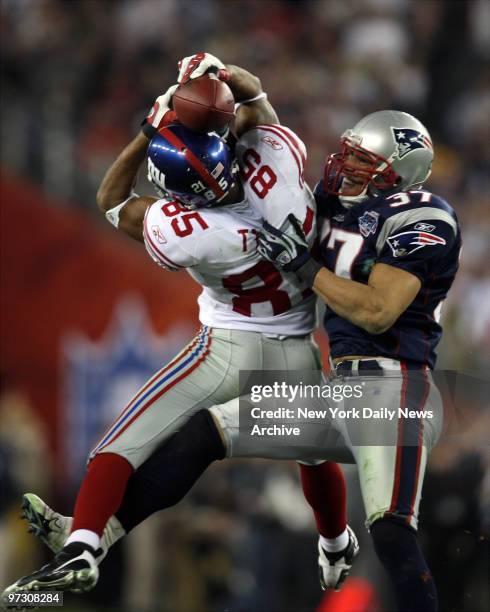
(374,307)
(254,107)
(115,196)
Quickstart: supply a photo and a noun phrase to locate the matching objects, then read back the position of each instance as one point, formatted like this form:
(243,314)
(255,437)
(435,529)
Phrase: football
(204,104)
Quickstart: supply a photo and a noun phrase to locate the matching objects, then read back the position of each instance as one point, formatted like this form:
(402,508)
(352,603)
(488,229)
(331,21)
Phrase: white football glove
(156,117)
(196,65)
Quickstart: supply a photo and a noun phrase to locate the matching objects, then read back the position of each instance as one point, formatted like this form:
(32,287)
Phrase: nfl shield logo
(100,377)
(409,140)
(368,223)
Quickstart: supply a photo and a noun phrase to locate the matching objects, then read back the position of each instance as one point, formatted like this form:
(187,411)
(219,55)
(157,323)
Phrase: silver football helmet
(385,151)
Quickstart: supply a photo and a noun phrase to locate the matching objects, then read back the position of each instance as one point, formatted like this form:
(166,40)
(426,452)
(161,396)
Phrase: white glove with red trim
(160,113)
(198,64)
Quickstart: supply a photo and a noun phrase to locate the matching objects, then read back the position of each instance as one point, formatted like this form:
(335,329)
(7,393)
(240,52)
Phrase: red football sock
(101,492)
(324,489)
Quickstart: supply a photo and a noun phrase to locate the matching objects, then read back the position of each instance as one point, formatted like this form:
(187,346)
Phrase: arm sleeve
(417,246)
(164,246)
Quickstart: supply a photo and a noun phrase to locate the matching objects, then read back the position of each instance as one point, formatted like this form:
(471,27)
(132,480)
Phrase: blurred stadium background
(86,316)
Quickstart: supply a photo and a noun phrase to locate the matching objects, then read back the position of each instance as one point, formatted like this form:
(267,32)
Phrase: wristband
(261,96)
(308,271)
(112,215)
(224,75)
(150,130)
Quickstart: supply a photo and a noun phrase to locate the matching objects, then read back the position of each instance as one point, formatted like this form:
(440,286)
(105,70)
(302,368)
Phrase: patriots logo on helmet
(406,243)
(368,223)
(99,375)
(409,140)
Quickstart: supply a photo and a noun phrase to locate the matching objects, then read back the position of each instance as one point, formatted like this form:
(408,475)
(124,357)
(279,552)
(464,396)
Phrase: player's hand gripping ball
(160,113)
(204,104)
(194,66)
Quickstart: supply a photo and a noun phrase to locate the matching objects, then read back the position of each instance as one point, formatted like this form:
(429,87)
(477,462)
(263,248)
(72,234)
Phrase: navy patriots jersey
(416,231)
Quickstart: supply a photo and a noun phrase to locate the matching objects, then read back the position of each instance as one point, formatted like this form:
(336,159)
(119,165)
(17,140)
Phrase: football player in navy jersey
(389,254)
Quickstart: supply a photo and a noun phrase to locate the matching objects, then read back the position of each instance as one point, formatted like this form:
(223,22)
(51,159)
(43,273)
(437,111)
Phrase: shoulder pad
(401,209)
(280,145)
(170,234)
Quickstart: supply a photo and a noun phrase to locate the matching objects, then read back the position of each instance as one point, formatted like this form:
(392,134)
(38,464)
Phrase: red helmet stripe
(203,172)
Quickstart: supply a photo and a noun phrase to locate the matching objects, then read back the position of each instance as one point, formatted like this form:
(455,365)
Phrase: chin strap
(349,201)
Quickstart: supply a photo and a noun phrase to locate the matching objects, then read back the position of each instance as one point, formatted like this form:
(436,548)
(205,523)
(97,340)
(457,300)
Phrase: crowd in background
(79,76)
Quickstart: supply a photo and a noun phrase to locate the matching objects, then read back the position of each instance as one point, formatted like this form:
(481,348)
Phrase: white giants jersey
(218,246)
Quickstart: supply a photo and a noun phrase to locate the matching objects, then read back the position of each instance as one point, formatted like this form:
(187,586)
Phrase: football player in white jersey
(253,317)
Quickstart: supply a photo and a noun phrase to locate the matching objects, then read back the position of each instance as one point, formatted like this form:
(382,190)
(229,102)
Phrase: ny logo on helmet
(409,140)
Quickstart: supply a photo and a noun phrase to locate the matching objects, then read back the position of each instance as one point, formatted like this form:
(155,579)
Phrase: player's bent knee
(219,429)
(389,523)
(390,537)
(405,520)
(200,438)
(111,453)
(226,421)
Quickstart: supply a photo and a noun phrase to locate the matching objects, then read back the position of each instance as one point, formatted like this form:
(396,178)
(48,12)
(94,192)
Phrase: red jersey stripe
(290,147)
(420,446)
(308,222)
(160,393)
(399,445)
(293,145)
(294,141)
(159,374)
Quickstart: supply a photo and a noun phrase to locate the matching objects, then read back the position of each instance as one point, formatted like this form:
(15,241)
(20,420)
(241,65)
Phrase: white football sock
(86,536)
(333,545)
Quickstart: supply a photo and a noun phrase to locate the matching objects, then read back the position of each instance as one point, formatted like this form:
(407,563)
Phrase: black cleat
(73,569)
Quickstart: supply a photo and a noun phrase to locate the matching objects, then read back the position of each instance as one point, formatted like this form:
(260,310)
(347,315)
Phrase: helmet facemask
(355,173)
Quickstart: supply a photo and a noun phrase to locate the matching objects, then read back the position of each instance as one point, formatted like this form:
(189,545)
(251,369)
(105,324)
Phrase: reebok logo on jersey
(271,142)
(406,243)
(368,223)
(157,232)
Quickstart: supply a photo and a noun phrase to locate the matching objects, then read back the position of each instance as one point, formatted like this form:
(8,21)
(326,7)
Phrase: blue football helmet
(198,170)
